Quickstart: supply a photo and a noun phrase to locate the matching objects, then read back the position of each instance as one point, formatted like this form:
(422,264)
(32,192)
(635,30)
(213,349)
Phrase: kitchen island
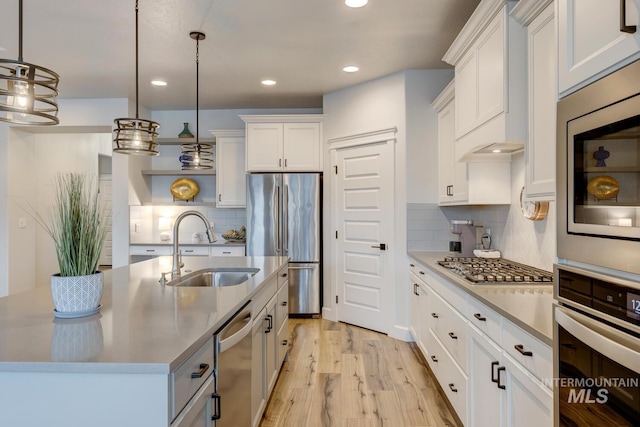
(115,367)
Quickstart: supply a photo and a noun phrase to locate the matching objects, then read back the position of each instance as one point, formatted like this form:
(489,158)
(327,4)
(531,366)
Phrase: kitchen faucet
(175,271)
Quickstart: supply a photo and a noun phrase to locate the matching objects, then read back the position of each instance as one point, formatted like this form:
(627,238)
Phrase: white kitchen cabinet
(529,403)
(199,411)
(466,183)
(487,398)
(414,307)
(231,182)
(284,143)
(591,43)
(228,250)
(258,395)
(538,16)
(490,84)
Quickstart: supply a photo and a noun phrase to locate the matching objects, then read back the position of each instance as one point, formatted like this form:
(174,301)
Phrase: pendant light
(197,156)
(135,136)
(27,92)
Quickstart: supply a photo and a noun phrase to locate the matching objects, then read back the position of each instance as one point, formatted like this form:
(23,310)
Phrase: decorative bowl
(603,187)
(184,188)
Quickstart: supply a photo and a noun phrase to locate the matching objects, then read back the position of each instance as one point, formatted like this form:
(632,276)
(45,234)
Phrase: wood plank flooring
(339,375)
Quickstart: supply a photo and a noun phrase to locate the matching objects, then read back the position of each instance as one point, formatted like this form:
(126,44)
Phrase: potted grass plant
(78,228)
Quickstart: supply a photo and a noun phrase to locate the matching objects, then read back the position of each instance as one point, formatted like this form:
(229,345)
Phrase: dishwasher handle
(226,343)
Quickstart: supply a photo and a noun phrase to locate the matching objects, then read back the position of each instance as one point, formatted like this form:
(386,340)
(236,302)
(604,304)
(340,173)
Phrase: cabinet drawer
(485,319)
(452,379)
(282,306)
(416,268)
(539,363)
(194,250)
(268,290)
(283,276)
(183,387)
(283,342)
(150,250)
(451,329)
(227,250)
(455,297)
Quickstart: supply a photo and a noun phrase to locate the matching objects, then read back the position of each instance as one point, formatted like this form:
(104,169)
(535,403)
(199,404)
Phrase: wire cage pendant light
(197,156)
(135,135)
(28,92)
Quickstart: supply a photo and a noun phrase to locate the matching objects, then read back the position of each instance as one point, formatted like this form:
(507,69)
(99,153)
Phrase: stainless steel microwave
(598,173)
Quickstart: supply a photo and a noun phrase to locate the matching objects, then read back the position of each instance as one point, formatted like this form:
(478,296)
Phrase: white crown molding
(289,118)
(480,18)
(445,96)
(388,134)
(526,10)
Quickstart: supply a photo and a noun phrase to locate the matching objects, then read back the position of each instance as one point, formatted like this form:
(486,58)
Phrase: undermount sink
(217,277)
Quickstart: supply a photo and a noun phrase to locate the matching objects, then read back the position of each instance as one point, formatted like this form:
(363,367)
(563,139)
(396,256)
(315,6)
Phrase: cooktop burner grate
(496,270)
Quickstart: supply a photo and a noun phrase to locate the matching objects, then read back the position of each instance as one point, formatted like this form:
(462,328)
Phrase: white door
(105,203)
(364,219)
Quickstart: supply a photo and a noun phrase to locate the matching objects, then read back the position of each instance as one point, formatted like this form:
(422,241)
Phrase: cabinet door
(540,154)
(414,308)
(271,347)
(446,153)
(529,402)
(264,147)
(424,319)
(231,184)
(487,400)
(302,147)
(590,42)
(258,387)
(197,413)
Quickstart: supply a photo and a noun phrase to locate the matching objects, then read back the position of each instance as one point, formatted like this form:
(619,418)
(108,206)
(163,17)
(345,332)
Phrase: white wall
(401,100)
(4,209)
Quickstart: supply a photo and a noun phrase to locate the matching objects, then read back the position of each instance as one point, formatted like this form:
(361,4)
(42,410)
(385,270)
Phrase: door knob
(381,246)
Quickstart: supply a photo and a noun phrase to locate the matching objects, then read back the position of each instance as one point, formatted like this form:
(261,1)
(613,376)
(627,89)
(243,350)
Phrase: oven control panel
(615,299)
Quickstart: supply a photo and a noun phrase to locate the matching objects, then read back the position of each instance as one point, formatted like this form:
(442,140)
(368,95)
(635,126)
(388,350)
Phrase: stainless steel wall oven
(598,173)
(596,349)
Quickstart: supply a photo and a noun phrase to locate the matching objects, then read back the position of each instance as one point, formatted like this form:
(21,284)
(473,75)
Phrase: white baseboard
(401,333)
(329,314)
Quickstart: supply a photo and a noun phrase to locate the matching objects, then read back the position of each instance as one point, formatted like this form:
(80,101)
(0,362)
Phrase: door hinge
(336,234)
(336,299)
(335,168)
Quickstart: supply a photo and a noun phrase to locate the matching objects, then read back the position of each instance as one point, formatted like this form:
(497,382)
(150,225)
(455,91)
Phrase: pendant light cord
(20,31)
(137,59)
(197,92)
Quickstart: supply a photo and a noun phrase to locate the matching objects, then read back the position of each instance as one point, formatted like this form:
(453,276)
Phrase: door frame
(386,136)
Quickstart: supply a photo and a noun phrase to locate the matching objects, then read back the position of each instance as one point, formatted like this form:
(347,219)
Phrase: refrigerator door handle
(277,206)
(285,222)
(300,268)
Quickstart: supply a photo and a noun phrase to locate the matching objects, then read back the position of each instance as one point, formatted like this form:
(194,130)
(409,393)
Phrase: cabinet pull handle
(204,367)
(215,411)
(501,369)
(284,274)
(279,162)
(453,388)
(188,250)
(269,320)
(411,265)
(522,351)
(285,342)
(150,250)
(415,289)
(285,163)
(480,317)
(453,336)
(494,379)
(434,358)
(434,315)
(422,272)
(226,252)
(283,303)
(631,29)
(219,197)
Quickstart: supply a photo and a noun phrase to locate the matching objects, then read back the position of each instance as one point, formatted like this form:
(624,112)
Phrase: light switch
(22,222)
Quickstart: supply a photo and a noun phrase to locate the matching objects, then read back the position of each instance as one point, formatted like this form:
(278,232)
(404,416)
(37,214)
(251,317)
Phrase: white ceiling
(302,44)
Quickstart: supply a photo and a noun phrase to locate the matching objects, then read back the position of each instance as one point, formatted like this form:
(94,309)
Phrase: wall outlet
(137,227)
(22,222)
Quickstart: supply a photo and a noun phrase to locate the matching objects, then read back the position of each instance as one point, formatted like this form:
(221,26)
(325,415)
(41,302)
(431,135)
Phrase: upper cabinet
(231,186)
(538,16)
(595,38)
(284,143)
(489,57)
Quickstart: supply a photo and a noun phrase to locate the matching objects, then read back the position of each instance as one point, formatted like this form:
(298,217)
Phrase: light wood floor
(340,375)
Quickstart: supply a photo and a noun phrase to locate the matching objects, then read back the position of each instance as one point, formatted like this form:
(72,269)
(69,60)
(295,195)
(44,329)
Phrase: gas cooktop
(496,271)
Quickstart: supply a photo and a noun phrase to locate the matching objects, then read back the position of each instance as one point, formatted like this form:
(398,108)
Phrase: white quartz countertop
(528,306)
(142,327)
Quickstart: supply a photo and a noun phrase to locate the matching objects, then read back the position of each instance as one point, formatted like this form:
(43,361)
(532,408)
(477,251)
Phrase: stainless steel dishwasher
(232,399)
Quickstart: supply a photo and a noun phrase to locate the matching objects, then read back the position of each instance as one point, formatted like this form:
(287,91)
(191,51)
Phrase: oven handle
(616,345)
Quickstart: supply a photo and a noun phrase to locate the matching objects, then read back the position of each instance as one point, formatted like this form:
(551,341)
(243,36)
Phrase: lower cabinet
(490,369)
(270,330)
(198,412)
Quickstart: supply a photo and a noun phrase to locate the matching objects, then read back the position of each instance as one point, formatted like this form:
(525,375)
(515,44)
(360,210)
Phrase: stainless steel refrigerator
(284,218)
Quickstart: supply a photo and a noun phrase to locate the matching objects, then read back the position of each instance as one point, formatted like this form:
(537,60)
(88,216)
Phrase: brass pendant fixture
(28,92)
(135,135)
(197,156)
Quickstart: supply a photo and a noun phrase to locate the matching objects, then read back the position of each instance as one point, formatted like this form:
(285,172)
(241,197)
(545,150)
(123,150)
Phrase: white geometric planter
(77,294)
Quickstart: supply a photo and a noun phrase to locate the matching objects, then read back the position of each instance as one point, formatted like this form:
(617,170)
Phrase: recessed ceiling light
(497,150)
(158,83)
(356,3)
(268,82)
(350,69)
